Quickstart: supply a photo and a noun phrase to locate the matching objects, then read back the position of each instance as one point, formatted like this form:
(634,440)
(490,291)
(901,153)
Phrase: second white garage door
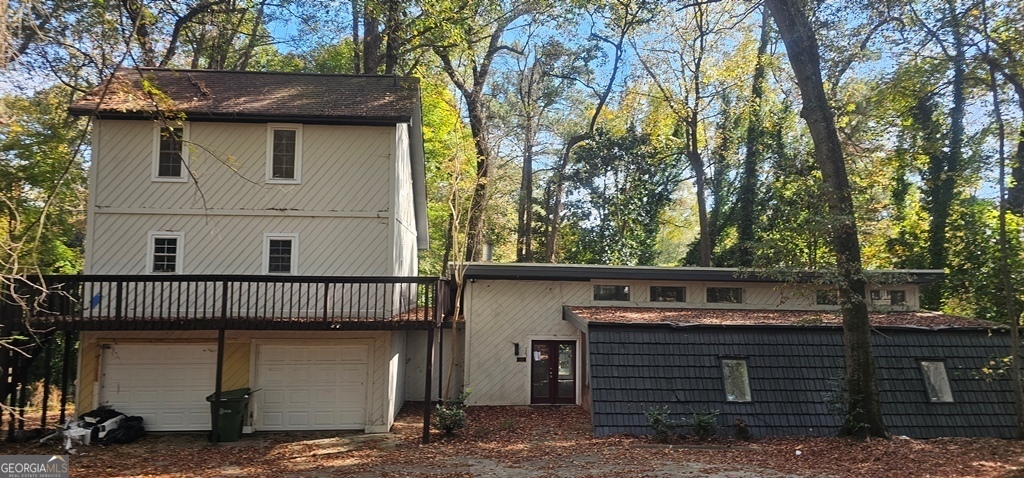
(311,387)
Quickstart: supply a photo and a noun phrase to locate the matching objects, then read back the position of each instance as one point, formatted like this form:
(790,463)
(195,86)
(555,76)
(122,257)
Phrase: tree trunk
(357,61)
(1006,275)
(392,33)
(746,197)
(944,189)
(481,191)
(524,231)
(140,21)
(864,412)
(372,40)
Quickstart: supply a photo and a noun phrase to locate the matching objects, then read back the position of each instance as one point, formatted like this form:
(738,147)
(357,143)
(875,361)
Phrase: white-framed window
(730,295)
(166,252)
(609,292)
(170,152)
(936,382)
(280,253)
(889,297)
(737,382)
(661,293)
(284,153)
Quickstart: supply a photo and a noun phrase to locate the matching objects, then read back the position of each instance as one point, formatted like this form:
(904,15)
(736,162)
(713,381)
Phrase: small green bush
(660,420)
(704,424)
(450,415)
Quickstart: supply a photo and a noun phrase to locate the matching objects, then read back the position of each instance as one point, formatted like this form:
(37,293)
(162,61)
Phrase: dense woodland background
(609,132)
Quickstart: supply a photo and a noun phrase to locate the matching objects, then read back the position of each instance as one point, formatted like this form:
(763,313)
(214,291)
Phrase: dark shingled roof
(793,372)
(254,96)
(635,315)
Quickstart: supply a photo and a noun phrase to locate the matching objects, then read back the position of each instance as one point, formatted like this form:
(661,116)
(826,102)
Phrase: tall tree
(618,19)
(746,199)
(467,58)
(864,411)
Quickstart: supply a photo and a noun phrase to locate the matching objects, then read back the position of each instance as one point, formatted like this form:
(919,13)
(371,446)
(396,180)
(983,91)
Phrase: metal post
(215,418)
(46,380)
(440,363)
(215,408)
(426,394)
(68,338)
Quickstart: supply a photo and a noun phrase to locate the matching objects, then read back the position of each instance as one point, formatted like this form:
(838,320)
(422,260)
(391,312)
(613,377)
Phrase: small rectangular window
(827,297)
(897,297)
(668,294)
(737,383)
(733,295)
(165,252)
(284,153)
(171,141)
(876,295)
(279,256)
(936,382)
(611,292)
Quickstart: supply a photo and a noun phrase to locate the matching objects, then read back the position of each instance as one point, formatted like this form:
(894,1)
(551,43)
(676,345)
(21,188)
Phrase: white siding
(500,314)
(344,168)
(396,375)
(234,244)
(444,349)
(405,251)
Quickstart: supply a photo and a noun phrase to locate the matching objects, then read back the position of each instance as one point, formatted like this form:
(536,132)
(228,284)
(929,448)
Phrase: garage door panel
(312,387)
(166,384)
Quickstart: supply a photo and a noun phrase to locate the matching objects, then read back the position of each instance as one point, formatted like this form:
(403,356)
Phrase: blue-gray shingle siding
(791,370)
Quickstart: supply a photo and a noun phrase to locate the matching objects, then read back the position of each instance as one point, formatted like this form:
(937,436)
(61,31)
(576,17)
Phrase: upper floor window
(732,295)
(165,252)
(279,253)
(889,297)
(169,153)
(611,292)
(935,381)
(284,153)
(668,294)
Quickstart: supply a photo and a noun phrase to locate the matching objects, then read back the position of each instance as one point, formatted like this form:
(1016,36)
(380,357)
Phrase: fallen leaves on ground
(536,441)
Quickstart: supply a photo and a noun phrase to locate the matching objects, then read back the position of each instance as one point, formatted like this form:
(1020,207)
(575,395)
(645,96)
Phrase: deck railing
(128,302)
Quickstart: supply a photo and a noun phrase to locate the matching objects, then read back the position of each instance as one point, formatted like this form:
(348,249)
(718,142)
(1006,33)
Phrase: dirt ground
(534,442)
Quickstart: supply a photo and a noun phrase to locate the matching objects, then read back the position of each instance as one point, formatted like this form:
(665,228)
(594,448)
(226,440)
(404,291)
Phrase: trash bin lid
(231,395)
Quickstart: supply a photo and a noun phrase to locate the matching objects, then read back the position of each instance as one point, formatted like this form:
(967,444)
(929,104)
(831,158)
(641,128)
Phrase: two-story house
(279,213)
(261,230)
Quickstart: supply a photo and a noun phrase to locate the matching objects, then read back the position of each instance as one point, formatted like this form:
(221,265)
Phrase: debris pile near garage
(106,426)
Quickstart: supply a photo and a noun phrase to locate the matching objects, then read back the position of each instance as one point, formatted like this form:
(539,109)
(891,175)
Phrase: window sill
(283,181)
(161,179)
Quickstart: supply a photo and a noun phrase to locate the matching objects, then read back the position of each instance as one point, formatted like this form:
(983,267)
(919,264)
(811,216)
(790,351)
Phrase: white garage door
(166,385)
(311,387)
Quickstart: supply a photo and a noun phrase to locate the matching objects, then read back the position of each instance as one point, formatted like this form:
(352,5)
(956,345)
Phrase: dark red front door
(553,372)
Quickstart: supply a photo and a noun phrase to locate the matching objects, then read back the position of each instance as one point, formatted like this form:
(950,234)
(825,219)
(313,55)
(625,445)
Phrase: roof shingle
(253,96)
(634,315)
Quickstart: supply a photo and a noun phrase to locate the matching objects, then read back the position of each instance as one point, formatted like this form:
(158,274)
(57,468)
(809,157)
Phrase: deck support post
(47,345)
(68,337)
(427,402)
(215,406)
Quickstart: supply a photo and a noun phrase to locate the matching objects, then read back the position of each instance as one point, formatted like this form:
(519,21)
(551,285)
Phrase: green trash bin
(232,409)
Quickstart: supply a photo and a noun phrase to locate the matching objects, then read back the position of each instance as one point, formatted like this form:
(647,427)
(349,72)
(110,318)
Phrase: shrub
(740,430)
(660,420)
(450,415)
(704,424)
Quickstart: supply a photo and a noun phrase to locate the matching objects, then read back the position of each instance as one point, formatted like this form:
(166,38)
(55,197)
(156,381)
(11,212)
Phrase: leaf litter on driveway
(536,442)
